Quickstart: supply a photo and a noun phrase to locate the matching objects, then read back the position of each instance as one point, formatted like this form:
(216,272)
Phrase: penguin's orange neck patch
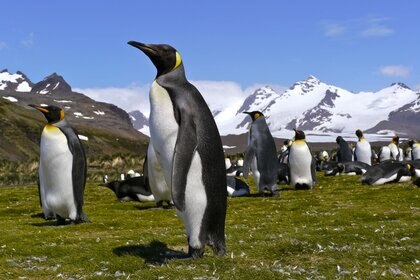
(51,128)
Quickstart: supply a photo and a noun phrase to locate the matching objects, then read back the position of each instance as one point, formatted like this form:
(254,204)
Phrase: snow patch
(99,113)
(23,87)
(82,137)
(63,101)
(10,98)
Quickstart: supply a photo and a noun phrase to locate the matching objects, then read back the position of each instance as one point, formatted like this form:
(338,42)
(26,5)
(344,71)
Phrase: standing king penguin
(62,168)
(261,155)
(344,152)
(302,167)
(363,151)
(186,146)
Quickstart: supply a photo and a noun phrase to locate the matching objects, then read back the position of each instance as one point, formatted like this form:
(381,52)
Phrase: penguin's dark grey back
(79,170)
(186,99)
(265,148)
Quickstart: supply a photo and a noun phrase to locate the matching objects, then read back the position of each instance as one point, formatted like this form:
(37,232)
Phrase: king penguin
(302,169)
(62,168)
(415,149)
(344,152)
(261,155)
(362,151)
(396,152)
(187,147)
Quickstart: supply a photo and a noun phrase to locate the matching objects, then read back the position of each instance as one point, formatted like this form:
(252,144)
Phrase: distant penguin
(384,154)
(387,172)
(415,149)
(302,173)
(236,187)
(284,151)
(353,167)
(233,169)
(321,157)
(396,152)
(261,155)
(363,151)
(62,168)
(283,173)
(330,168)
(344,152)
(186,147)
(134,188)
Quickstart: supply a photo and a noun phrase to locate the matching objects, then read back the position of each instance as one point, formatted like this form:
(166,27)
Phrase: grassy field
(340,230)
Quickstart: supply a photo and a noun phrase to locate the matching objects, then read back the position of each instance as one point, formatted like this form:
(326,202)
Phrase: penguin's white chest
(300,160)
(163,128)
(55,173)
(363,152)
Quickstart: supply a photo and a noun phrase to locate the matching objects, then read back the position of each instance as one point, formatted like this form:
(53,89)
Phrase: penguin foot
(219,248)
(302,187)
(60,221)
(195,253)
(82,219)
(275,193)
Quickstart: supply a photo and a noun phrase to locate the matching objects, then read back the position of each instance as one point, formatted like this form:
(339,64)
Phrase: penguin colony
(185,165)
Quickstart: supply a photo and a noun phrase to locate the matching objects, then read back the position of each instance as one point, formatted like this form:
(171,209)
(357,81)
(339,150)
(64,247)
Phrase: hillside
(108,128)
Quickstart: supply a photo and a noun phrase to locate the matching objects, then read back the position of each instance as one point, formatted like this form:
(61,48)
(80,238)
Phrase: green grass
(340,230)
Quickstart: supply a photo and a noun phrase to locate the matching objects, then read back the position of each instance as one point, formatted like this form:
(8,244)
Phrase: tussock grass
(340,230)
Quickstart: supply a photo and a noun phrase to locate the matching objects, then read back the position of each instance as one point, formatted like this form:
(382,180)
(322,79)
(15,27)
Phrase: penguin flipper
(313,170)
(79,169)
(185,147)
(249,156)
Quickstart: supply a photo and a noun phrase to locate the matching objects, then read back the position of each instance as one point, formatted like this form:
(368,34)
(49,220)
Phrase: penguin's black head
(164,57)
(53,114)
(339,139)
(359,133)
(410,143)
(396,139)
(299,134)
(254,114)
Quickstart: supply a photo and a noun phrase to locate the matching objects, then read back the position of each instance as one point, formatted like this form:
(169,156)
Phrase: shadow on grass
(49,223)
(154,207)
(155,252)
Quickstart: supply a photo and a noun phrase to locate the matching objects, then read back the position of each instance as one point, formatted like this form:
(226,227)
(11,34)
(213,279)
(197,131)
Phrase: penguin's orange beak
(43,110)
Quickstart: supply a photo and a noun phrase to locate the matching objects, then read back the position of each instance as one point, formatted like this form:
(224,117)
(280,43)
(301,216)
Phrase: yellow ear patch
(408,166)
(257,115)
(178,60)
(61,114)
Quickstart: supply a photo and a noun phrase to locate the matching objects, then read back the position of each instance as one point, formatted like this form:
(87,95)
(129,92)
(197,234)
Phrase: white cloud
(395,71)
(333,29)
(128,98)
(377,31)
(368,26)
(2,46)
(29,41)
(218,95)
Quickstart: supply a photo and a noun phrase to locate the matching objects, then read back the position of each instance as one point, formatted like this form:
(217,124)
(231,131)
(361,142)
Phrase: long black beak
(147,49)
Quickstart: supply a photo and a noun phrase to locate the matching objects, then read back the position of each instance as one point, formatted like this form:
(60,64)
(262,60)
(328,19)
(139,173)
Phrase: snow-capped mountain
(324,111)
(14,82)
(139,121)
(52,83)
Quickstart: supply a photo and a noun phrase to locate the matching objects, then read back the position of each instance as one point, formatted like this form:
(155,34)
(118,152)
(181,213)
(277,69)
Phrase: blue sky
(357,45)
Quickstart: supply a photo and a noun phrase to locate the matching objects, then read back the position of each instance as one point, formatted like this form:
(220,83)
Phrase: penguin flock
(185,165)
